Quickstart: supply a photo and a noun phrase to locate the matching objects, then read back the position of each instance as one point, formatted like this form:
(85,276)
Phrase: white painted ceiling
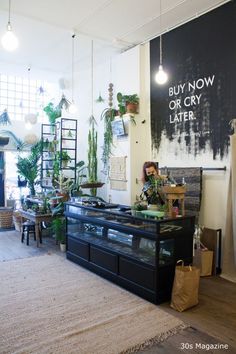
(45,27)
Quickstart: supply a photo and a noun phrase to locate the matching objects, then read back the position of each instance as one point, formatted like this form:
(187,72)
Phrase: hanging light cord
(160,34)
(72,66)
(9,13)
(29,89)
(160,49)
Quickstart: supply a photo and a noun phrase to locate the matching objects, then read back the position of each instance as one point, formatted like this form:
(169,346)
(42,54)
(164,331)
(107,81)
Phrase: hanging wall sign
(196,105)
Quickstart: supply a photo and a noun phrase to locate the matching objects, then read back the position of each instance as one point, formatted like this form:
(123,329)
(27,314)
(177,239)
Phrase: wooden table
(37,219)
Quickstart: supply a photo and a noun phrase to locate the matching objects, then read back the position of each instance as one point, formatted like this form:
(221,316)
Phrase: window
(21,96)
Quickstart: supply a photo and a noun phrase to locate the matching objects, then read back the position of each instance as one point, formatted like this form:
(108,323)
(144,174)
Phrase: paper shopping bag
(185,287)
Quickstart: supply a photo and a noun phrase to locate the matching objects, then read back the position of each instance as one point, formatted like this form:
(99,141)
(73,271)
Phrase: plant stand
(173,194)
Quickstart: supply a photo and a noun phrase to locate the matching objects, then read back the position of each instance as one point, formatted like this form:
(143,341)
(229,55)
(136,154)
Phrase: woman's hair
(148,164)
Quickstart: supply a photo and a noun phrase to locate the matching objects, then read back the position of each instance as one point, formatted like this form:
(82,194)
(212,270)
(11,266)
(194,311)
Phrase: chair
(28,227)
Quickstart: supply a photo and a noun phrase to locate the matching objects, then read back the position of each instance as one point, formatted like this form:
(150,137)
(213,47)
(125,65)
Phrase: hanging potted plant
(92,181)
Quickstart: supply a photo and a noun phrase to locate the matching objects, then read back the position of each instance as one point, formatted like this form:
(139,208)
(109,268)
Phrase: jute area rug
(51,305)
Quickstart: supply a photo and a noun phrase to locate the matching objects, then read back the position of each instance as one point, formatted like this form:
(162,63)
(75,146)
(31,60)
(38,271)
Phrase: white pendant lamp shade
(161,76)
(9,40)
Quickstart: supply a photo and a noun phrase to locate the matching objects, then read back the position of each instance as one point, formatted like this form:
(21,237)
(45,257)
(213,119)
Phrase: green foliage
(28,167)
(80,170)
(65,156)
(19,144)
(52,112)
(92,153)
(59,228)
(108,115)
(123,100)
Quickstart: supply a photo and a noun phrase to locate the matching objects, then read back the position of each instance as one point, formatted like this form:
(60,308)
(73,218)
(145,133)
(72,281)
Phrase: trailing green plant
(108,115)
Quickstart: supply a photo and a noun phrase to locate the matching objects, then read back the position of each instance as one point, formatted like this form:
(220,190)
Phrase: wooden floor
(211,322)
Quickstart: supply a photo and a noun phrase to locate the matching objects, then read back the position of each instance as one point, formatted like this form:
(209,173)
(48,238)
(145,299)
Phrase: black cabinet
(135,252)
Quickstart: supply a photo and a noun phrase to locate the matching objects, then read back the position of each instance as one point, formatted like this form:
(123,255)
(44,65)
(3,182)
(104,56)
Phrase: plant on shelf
(127,103)
(53,112)
(65,158)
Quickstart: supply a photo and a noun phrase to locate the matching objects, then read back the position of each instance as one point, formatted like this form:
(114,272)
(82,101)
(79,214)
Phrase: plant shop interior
(117,173)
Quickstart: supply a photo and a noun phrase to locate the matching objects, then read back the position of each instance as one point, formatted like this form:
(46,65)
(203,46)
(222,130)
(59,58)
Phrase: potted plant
(92,181)
(53,112)
(59,229)
(65,158)
(28,167)
(132,102)
(127,103)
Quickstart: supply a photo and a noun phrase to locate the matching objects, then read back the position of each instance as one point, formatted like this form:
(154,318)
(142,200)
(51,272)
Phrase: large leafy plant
(28,167)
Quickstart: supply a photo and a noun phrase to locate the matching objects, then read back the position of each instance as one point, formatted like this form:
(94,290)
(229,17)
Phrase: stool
(172,194)
(28,227)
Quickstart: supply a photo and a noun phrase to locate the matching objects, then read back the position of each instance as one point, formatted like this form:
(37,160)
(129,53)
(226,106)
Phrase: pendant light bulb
(9,40)
(161,76)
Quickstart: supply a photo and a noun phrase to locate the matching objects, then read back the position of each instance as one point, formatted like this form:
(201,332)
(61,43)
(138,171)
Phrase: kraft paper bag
(185,287)
(203,259)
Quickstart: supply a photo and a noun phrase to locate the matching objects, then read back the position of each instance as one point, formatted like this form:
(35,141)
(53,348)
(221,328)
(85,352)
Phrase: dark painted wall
(195,106)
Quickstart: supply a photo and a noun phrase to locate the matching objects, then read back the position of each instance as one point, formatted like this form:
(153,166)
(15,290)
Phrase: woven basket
(6,217)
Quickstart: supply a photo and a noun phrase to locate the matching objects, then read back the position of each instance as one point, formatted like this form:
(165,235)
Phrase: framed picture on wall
(118,127)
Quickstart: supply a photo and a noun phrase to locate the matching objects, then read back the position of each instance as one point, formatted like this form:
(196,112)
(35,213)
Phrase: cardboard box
(203,259)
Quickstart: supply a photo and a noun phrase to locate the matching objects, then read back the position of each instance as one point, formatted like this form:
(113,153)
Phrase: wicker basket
(6,217)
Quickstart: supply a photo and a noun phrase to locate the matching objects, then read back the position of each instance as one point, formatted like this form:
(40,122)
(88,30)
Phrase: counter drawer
(103,259)
(137,273)
(78,247)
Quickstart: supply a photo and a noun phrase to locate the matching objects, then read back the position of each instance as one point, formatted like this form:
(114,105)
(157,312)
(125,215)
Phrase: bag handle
(182,264)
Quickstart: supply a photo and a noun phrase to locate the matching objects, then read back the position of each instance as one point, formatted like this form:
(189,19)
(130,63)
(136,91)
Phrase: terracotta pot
(131,108)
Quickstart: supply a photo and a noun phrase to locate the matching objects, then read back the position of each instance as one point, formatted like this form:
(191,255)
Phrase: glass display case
(137,253)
